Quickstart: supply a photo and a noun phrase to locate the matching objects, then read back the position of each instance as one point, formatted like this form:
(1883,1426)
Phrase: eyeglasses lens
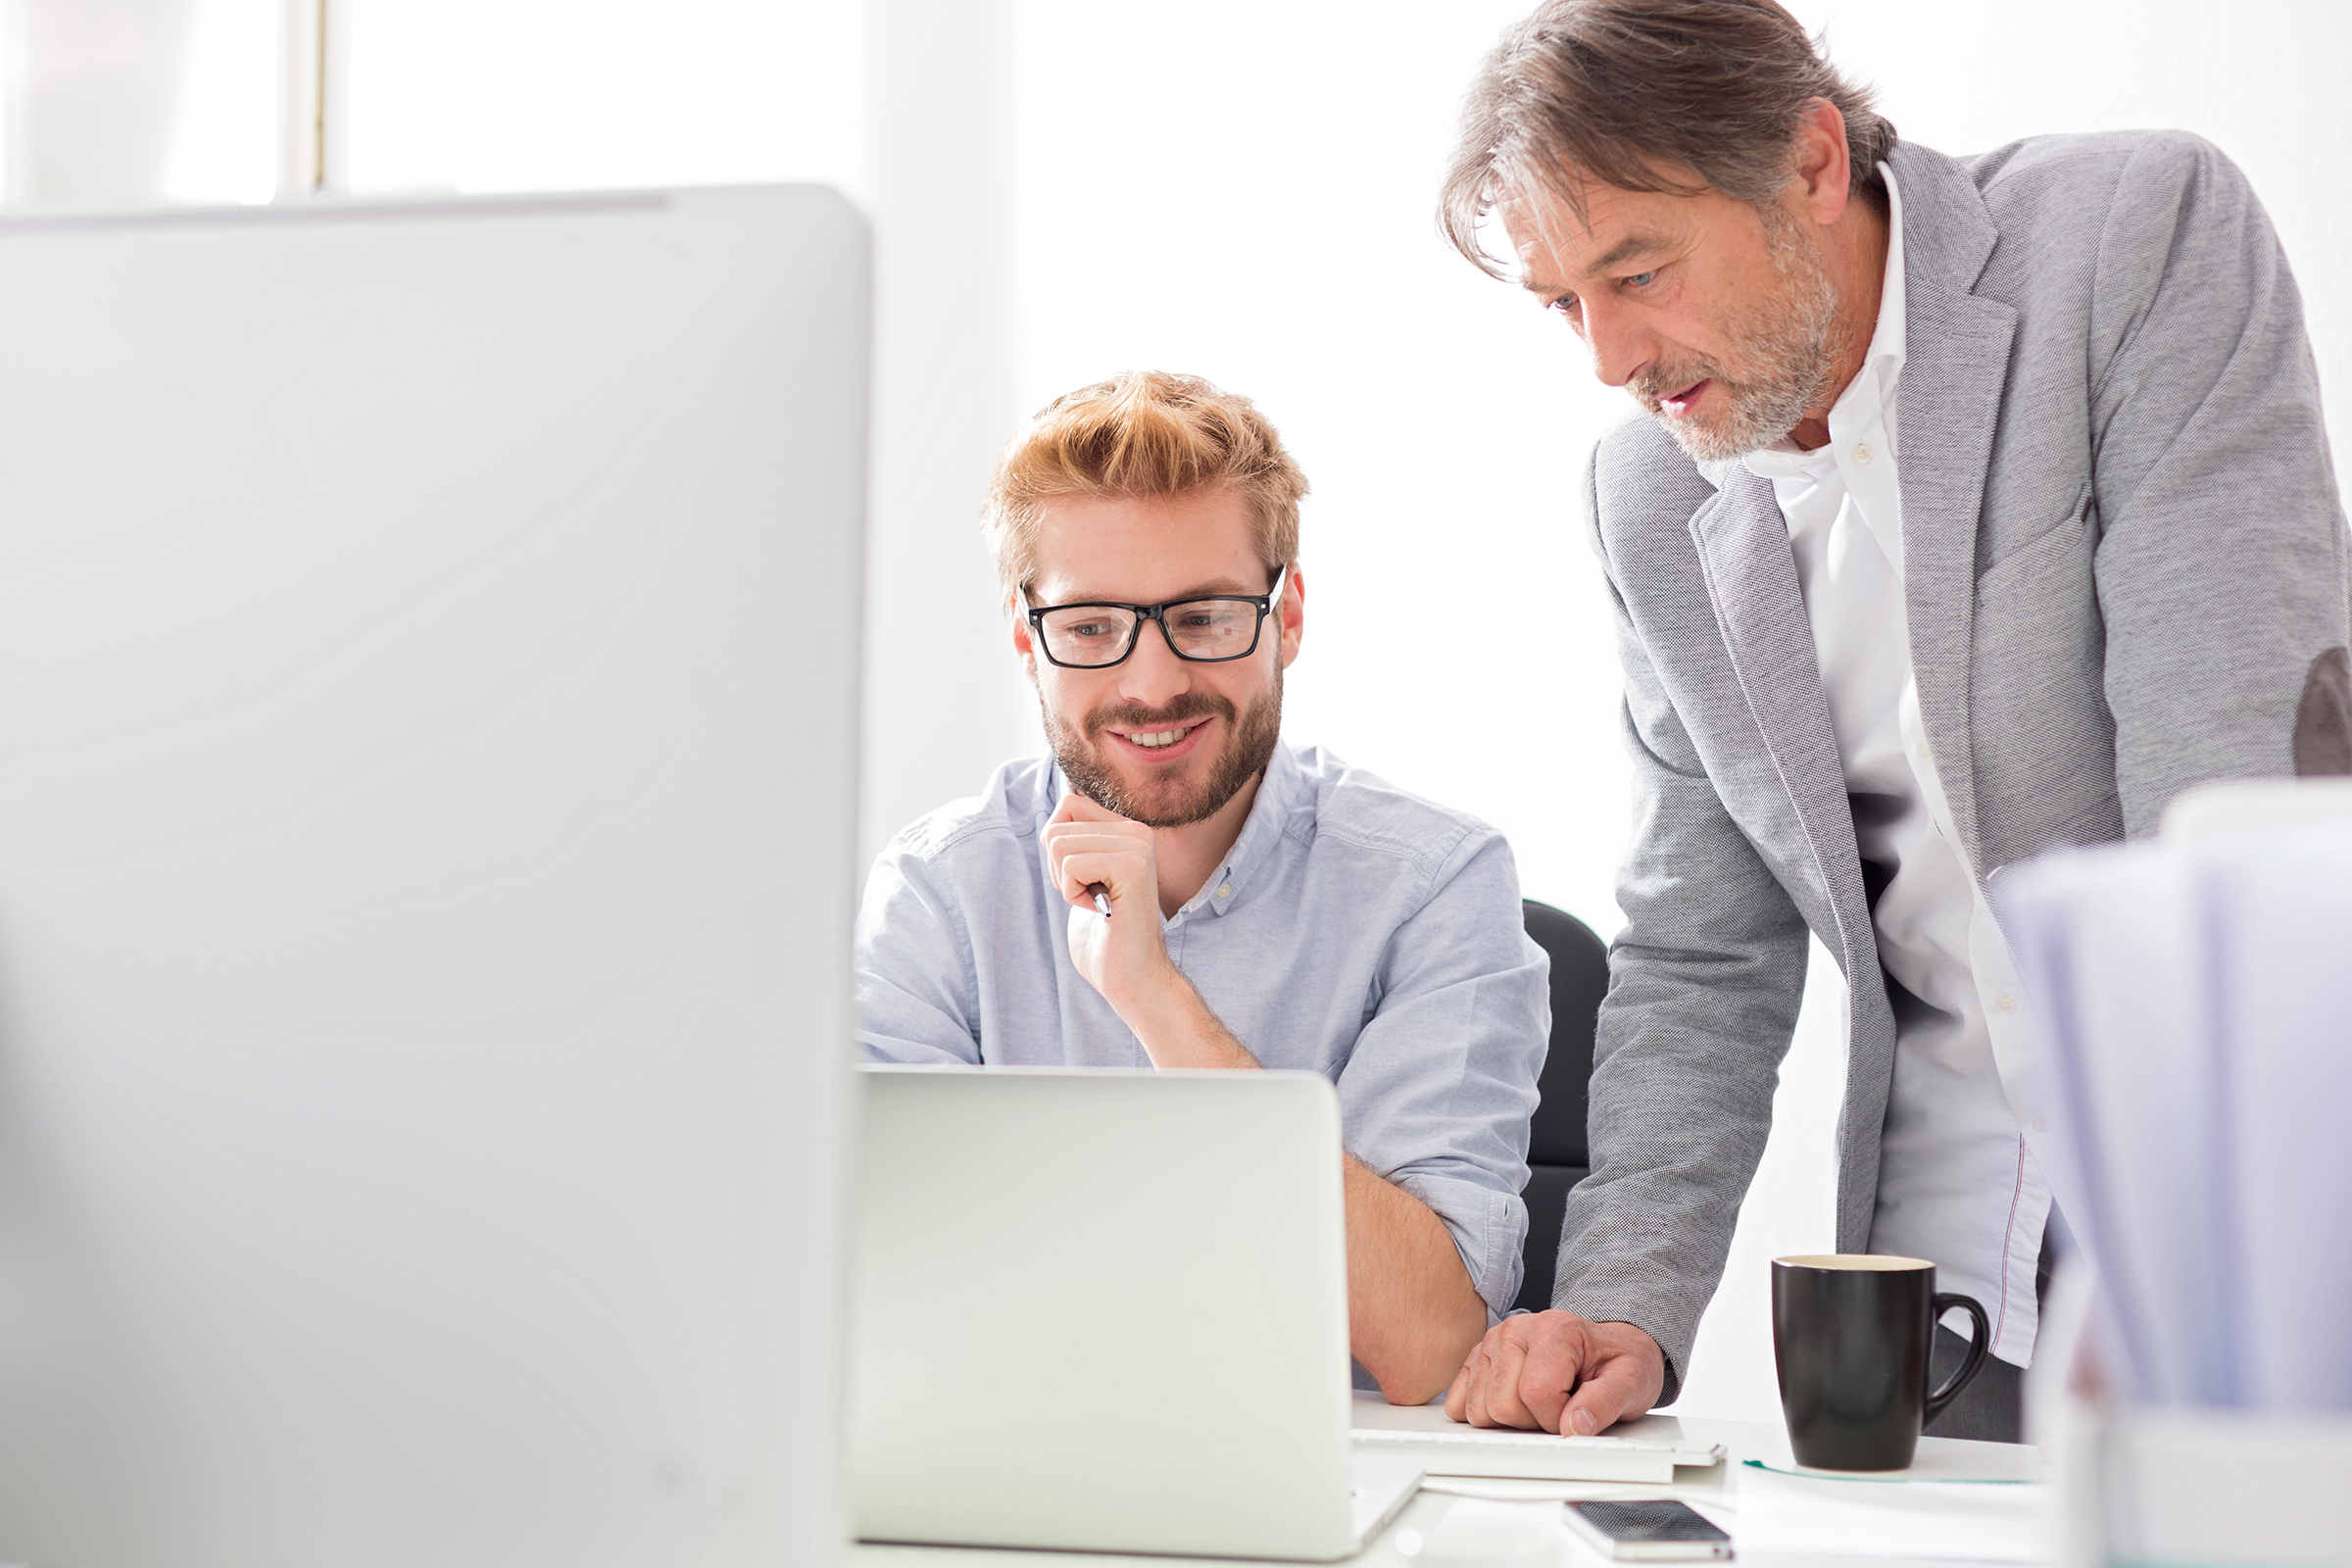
(1089,635)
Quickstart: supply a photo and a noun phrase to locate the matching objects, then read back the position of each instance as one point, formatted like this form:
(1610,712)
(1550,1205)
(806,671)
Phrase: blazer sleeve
(1704,984)
(2221,558)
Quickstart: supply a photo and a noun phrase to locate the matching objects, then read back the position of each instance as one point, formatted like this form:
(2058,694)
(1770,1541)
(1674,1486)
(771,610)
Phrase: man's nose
(1152,675)
(1621,349)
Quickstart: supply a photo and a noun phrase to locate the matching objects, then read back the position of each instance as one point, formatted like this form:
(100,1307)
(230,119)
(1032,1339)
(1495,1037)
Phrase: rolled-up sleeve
(914,967)
(1436,1094)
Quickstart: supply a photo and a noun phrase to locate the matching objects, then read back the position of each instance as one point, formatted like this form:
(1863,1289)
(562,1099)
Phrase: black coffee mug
(1850,1336)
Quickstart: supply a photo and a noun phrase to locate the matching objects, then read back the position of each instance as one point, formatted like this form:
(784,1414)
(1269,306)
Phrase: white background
(1067,187)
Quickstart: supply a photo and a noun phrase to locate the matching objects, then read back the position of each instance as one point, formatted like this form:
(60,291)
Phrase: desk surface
(1960,1501)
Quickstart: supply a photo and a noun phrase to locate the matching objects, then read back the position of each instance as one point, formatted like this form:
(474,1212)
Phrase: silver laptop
(1105,1311)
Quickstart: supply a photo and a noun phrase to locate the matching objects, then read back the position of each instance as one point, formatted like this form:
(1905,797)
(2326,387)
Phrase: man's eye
(1640,279)
(1566,305)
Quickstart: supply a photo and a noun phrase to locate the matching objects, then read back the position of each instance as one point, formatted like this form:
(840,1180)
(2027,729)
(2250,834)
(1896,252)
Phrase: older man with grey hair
(1984,505)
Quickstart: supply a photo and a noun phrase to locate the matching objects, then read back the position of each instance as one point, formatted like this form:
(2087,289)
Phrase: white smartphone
(1648,1530)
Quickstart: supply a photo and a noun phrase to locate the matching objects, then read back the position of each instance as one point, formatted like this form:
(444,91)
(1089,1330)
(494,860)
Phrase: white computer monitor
(427,711)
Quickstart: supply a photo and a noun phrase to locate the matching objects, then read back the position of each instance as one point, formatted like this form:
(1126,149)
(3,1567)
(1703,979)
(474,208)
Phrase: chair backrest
(1556,1154)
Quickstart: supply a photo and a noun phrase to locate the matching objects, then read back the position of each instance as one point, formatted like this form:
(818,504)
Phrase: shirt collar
(1872,390)
(1889,340)
(1269,816)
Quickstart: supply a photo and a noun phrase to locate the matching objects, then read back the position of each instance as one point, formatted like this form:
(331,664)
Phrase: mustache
(1653,386)
(1134,715)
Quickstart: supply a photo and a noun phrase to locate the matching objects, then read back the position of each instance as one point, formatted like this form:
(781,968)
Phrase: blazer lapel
(1751,579)
(1956,362)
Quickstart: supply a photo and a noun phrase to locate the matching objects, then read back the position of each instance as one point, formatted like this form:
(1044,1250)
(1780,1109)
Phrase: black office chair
(1556,1156)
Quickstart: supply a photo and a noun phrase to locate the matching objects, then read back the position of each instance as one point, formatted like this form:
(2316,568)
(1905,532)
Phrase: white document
(2279,908)
(2107,942)
(2196,996)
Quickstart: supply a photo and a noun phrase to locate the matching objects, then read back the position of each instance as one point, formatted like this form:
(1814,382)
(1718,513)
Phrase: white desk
(1484,1530)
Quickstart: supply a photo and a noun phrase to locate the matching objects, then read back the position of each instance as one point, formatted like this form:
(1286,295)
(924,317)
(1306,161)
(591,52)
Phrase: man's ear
(1290,610)
(1024,646)
(1823,175)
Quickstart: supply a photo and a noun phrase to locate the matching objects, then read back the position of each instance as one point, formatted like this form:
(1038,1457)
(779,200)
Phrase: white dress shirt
(1956,1182)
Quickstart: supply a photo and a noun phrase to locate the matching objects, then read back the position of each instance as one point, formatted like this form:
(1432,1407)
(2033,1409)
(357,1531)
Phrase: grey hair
(1680,96)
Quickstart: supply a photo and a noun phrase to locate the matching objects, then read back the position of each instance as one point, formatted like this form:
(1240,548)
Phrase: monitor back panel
(1100,1312)
(427,720)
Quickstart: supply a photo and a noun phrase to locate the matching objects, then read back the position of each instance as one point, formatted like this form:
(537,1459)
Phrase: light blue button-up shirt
(1355,930)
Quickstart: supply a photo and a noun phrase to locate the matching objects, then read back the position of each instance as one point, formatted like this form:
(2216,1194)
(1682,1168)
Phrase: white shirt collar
(1886,342)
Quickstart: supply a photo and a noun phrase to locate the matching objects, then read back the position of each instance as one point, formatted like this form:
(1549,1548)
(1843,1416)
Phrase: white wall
(944,703)
(1066,187)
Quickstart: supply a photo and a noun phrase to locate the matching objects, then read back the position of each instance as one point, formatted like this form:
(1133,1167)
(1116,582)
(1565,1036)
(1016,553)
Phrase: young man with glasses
(1176,886)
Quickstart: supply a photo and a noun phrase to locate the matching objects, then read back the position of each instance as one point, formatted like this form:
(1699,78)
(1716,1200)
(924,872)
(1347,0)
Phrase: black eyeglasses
(1215,629)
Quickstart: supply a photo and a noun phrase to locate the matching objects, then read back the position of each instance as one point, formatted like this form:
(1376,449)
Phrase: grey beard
(1791,348)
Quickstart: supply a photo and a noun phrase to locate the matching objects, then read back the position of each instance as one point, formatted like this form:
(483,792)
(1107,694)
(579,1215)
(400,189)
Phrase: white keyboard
(1536,1455)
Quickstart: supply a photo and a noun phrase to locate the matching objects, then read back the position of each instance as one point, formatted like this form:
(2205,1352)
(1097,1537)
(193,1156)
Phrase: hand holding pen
(1106,867)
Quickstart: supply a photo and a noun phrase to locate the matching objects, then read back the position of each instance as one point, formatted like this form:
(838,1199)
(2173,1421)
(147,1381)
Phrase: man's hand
(1124,956)
(1557,1372)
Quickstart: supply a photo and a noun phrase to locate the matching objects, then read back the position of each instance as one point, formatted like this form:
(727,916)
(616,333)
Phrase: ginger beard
(1161,797)
(1789,346)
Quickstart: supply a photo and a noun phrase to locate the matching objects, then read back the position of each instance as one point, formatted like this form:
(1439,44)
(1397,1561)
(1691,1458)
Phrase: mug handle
(1978,1346)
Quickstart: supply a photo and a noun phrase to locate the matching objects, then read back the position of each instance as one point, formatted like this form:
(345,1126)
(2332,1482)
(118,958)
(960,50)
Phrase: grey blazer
(2125,572)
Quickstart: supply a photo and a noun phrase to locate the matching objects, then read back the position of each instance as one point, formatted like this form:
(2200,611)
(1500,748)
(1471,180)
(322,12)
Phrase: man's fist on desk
(1557,1372)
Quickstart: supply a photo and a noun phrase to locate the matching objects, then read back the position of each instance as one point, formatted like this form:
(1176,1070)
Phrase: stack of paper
(2195,1000)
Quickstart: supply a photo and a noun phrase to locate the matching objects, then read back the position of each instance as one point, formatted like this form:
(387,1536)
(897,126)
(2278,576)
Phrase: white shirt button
(2041,1124)
(1862,453)
(1225,892)
(2004,1003)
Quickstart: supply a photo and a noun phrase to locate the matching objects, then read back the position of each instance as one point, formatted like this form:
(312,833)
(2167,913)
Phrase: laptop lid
(1100,1312)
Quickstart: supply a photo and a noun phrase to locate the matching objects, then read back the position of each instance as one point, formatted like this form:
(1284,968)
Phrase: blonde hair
(1140,434)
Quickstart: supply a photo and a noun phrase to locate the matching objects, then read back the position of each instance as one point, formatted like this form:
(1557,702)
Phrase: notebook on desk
(1105,1311)
(1536,1455)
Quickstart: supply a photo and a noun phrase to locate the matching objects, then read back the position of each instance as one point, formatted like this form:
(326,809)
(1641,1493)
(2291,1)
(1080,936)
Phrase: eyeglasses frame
(1265,604)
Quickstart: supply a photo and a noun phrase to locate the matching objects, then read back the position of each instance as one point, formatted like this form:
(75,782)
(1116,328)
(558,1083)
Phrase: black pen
(1101,898)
